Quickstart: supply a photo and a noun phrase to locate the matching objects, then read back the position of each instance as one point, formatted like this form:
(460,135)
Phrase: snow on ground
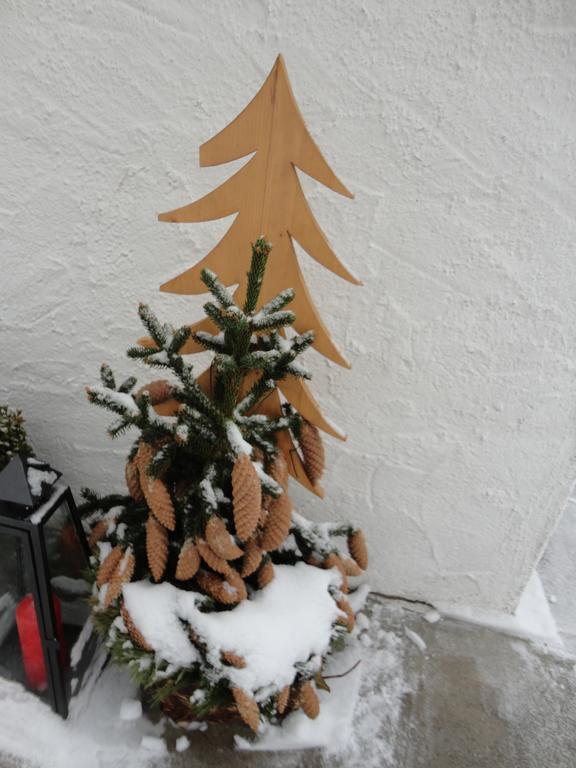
(104,729)
(532,619)
(557,570)
(95,734)
(379,707)
(360,718)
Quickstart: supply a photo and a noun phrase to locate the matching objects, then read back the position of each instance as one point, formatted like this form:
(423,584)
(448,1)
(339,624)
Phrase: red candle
(31,641)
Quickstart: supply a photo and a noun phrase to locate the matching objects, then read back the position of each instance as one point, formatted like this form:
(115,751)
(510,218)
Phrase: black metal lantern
(46,635)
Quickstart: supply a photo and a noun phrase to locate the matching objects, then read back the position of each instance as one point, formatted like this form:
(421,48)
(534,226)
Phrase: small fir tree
(13,438)
(207,509)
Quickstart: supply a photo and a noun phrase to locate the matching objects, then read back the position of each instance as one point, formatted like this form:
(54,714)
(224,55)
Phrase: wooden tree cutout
(268,199)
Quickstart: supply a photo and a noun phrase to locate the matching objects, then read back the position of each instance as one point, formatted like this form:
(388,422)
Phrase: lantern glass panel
(21,652)
(67,565)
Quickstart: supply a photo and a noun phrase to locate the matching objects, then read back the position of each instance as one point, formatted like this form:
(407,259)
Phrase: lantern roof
(27,481)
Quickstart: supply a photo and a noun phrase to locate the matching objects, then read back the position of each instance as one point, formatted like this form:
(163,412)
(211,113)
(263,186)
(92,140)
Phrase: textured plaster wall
(454,124)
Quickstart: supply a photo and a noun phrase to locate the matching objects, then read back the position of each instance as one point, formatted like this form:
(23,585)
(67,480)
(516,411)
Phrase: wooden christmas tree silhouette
(268,199)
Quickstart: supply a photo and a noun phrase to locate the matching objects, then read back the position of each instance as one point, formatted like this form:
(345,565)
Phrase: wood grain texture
(267,198)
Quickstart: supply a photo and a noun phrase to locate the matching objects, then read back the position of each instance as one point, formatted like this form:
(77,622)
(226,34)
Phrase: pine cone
(156,547)
(233,659)
(334,561)
(351,567)
(160,502)
(211,559)
(133,481)
(98,532)
(278,470)
(278,522)
(252,558)
(159,391)
(247,497)
(227,591)
(358,548)
(122,575)
(282,700)
(312,451)
(135,634)
(220,540)
(247,708)
(309,700)
(108,565)
(188,561)
(236,582)
(265,574)
(144,456)
(346,608)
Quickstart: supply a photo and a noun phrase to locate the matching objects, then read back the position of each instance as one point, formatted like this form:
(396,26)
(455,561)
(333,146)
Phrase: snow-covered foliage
(207,584)
(275,631)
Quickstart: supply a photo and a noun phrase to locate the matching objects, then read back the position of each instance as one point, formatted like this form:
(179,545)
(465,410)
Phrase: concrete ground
(471,698)
(434,695)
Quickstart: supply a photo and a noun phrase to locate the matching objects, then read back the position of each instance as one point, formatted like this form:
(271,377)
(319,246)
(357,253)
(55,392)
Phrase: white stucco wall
(454,124)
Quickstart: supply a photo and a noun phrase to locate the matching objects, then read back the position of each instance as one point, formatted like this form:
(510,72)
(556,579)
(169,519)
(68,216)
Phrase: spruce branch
(154,328)
(278,302)
(179,338)
(107,377)
(209,341)
(217,289)
(272,322)
(127,385)
(260,251)
(223,319)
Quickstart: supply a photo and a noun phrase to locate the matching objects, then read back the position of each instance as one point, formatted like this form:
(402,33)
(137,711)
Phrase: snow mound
(287,623)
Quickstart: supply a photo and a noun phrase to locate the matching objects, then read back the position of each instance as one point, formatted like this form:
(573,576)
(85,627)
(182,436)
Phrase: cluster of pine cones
(261,524)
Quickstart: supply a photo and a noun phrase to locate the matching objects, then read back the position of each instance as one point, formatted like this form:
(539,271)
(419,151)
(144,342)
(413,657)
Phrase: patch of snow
(332,729)
(37,516)
(280,626)
(92,737)
(80,644)
(38,477)
(197,725)
(130,709)
(362,621)
(415,638)
(366,640)
(357,599)
(70,586)
(156,418)
(532,619)
(265,479)
(208,494)
(220,497)
(182,432)
(154,610)
(237,442)
(104,549)
(432,617)
(159,357)
(182,744)
(121,399)
(154,744)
